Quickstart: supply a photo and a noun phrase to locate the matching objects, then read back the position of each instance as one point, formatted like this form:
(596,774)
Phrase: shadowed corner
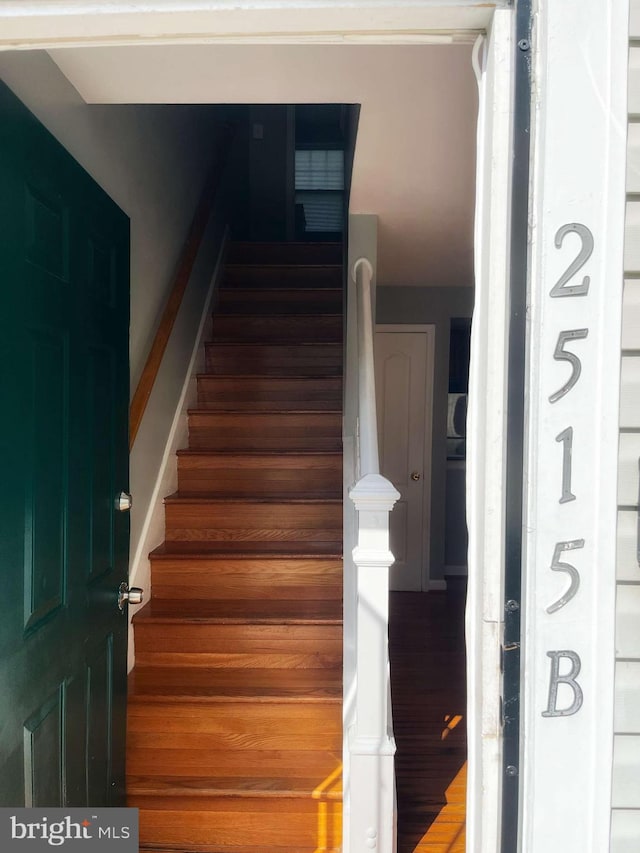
(329,796)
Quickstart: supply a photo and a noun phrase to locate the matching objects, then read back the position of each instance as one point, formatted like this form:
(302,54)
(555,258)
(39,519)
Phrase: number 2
(561,288)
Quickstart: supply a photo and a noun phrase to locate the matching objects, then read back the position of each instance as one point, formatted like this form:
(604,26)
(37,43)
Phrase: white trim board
(486,436)
(577,207)
(65,23)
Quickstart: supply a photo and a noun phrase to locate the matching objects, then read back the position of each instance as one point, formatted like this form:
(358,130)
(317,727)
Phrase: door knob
(415,475)
(123,502)
(130,596)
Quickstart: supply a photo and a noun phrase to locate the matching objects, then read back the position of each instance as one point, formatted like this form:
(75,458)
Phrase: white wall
(414,163)
(149,159)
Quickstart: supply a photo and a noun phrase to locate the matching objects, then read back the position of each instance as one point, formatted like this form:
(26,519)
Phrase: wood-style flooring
(429,718)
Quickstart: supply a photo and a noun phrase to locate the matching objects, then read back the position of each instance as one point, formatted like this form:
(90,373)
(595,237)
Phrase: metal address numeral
(574,575)
(570,680)
(566,437)
(560,354)
(561,288)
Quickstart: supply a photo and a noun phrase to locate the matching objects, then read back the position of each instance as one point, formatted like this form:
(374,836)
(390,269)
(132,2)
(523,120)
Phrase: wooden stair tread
(217,848)
(232,786)
(244,611)
(247,549)
(197,498)
(248,378)
(235,266)
(208,684)
(330,345)
(305,319)
(249,289)
(229,410)
(257,453)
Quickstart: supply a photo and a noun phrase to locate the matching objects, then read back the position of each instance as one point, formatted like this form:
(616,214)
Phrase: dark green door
(64,321)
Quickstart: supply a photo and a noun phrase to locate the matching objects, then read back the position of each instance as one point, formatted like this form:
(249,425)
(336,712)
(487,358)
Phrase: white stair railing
(370,748)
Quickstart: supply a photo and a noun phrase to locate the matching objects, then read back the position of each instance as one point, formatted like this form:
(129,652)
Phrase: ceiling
(415,155)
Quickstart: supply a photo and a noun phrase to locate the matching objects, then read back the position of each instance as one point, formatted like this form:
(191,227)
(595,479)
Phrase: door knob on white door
(415,475)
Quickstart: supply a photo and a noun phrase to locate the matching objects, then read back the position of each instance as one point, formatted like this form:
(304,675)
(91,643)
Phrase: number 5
(560,354)
(574,575)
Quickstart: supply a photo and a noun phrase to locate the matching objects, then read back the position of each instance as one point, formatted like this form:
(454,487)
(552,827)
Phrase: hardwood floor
(428,690)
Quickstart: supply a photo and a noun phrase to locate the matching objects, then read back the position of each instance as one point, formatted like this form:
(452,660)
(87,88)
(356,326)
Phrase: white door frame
(36,24)
(487,436)
(429,330)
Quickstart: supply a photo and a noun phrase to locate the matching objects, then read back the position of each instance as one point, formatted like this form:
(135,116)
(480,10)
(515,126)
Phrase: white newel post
(371,743)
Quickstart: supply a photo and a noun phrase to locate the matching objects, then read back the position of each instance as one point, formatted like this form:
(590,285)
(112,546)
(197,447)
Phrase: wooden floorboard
(429,718)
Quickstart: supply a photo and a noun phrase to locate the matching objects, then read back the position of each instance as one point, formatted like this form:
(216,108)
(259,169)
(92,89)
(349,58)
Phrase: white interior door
(404,390)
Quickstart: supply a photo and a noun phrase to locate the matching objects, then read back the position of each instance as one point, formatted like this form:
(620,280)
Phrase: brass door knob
(415,476)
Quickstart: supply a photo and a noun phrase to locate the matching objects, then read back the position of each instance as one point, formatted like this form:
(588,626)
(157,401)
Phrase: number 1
(566,437)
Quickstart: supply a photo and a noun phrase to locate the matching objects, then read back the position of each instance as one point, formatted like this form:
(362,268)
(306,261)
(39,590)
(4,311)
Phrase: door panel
(404,372)
(64,262)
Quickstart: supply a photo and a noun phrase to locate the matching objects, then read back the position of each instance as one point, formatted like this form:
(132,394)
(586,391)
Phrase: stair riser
(144,745)
(277,329)
(294,824)
(268,302)
(304,476)
(246,579)
(269,254)
(227,763)
(291,723)
(253,521)
(276,277)
(253,646)
(273,360)
(224,848)
(257,431)
(216,392)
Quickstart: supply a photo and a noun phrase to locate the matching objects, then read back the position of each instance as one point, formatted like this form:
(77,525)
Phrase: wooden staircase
(235,702)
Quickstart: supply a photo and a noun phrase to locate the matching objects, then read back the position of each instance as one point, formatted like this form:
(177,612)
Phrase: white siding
(625,824)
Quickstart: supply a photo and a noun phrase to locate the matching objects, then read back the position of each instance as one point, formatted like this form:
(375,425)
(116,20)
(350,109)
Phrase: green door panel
(64,385)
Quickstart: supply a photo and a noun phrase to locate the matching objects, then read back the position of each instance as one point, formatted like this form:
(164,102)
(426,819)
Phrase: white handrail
(371,746)
(368,449)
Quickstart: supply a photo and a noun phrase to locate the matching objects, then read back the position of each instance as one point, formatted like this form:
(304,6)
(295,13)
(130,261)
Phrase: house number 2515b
(568,286)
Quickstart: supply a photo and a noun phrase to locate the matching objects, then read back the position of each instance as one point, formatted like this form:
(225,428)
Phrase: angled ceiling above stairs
(415,156)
